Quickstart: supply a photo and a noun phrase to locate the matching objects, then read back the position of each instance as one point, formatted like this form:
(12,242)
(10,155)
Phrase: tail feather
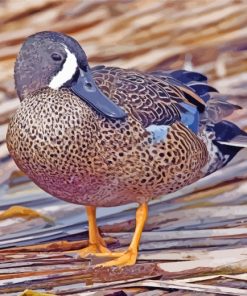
(227,140)
(217,109)
(227,133)
(238,141)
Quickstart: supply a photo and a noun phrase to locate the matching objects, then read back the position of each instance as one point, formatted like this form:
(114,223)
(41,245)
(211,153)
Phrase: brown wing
(164,97)
(148,98)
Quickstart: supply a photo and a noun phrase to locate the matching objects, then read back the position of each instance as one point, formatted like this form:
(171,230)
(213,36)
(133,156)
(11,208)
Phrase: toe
(109,254)
(90,250)
(128,258)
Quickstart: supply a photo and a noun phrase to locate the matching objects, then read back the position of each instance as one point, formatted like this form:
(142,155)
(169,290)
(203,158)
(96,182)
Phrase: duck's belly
(129,182)
(101,164)
(132,181)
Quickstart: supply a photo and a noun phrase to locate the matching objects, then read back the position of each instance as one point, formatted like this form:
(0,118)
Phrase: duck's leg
(23,212)
(129,257)
(96,242)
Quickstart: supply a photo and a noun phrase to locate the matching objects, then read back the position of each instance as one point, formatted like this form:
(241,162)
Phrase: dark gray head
(55,60)
(47,59)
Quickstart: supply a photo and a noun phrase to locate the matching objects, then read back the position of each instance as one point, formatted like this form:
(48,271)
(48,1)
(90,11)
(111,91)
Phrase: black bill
(86,89)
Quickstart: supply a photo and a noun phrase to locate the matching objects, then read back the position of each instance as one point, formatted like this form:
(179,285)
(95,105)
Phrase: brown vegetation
(195,240)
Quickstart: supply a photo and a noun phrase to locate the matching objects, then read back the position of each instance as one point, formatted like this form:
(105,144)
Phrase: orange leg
(19,211)
(96,242)
(35,293)
(129,257)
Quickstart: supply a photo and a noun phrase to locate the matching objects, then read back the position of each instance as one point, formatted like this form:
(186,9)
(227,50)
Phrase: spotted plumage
(110,136)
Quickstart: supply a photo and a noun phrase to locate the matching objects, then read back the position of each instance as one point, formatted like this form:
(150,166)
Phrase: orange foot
(122,259)
(96,243)
(97,246)
(19,211)
(35,293)
(129,257)
(92,249)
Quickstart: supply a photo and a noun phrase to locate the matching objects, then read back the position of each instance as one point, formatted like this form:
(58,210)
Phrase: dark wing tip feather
(188,76)
(202,89)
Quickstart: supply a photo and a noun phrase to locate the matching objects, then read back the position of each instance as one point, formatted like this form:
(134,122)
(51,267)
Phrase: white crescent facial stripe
(66,73)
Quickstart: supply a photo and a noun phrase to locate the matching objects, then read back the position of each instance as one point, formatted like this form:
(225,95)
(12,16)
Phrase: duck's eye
(56,56)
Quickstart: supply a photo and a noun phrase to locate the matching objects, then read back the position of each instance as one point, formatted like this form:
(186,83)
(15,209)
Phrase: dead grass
(195,240)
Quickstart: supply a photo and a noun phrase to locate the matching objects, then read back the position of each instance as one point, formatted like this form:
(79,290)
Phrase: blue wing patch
(191,117)
(158,132)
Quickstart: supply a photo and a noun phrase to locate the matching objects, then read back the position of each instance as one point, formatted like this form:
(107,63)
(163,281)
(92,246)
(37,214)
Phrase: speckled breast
(76,155)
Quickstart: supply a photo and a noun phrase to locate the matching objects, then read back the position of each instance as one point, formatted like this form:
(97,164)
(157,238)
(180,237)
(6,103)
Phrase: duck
(106,136)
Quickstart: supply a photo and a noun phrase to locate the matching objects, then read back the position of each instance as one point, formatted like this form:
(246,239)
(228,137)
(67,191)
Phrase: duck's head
(48,59)
(55,60)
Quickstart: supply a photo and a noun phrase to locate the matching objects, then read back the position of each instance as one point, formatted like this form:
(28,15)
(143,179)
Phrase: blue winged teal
(106,136)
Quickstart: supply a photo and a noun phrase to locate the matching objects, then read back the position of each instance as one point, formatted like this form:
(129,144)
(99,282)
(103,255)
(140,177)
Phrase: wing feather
(163,97)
